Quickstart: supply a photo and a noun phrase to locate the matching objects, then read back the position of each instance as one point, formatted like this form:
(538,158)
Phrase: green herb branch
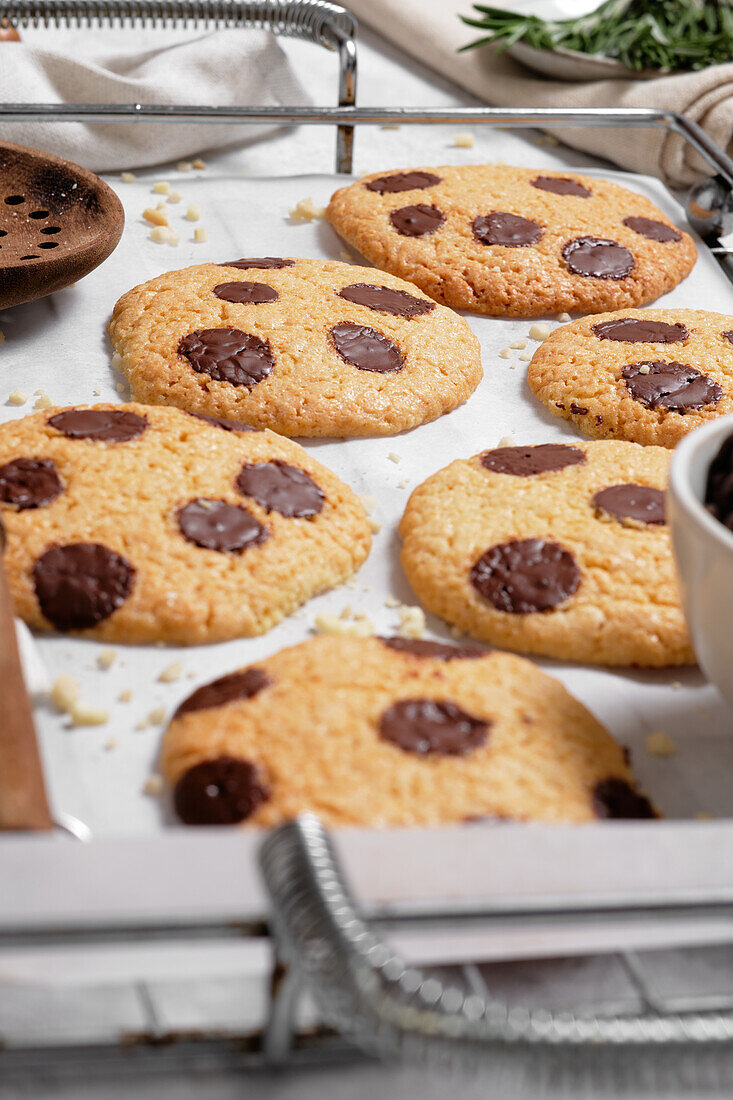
(672,35)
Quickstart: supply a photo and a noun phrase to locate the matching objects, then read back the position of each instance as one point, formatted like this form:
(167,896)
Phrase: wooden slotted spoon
(57,223)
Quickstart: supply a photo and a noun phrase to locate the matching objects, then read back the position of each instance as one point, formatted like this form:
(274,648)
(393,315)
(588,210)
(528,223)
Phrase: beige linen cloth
(225,67)
(431,31)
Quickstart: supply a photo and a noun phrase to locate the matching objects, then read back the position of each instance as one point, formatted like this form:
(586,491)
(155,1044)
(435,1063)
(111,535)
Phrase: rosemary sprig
(672,35)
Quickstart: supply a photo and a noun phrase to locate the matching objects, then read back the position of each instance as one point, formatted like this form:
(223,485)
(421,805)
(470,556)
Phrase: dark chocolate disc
(527,461)
(558,185)
(80,585)
(506,229)
(224,791)
(365,348)
(225,423)
(381,298)
(279,487)
(264,263)
(597,257)
(719,486)
(640,330)
(227,689)
(246,293)
(674,386)
(653,230)
(629,501)
(403,181)
(228,355)
(417,221)
(216,525)
(29,482)
(435,651)
(105,425)
(526,575)
(614,798)
(433,727)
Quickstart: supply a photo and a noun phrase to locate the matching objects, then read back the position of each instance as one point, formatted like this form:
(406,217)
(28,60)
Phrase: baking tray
(140,872)
(104,788)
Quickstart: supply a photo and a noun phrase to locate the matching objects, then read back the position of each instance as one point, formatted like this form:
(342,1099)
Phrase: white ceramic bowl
(703,548)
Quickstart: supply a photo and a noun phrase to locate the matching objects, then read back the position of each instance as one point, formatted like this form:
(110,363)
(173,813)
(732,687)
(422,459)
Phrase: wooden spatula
(57,223)
(23,801)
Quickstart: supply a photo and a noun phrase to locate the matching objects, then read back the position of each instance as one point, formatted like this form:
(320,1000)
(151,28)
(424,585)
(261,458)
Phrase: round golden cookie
(555,549)
(650,375)
(304,347)
(515,242)
(139,524)
(392,732)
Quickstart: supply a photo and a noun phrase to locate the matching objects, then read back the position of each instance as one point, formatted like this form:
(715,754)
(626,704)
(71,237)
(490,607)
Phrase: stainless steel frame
(364,989)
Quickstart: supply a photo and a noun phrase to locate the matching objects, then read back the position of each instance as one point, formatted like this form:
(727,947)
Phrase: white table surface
(385,78)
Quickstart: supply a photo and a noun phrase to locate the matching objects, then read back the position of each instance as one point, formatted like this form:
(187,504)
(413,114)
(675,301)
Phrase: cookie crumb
(96,393)
(306,211)
(184,166)
(676,685)
(526,357)
(43,401)
(464,141)
(17,397)
(83,715)
(111,744)
(175,196)
(346,612)
(369,503)
(199,164)
(193,213)
(540,331)
(155,216)
(505,353)
(153,785)
(65,692)
(350,583)
(124,696)
(157,716)
(106,658)
(161,234)
(564,318)
(392,601)
(412,621)
(404,484)
(644,368)
(374,526)
(332,624)
(128,177)
(200,235)
(161,188)
(172,673)
(506,441)
(120,387)
(660,744)
(519,345)
(394,457)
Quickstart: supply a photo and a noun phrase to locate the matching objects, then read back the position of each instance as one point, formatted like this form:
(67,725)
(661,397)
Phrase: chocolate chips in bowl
(719,484)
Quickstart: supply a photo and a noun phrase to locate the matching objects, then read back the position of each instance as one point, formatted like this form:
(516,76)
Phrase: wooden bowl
(57,223)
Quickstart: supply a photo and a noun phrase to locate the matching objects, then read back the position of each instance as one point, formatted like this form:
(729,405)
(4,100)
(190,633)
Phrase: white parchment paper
(59,346)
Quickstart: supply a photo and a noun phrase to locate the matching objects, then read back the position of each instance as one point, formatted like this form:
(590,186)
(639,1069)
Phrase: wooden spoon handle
(23,801)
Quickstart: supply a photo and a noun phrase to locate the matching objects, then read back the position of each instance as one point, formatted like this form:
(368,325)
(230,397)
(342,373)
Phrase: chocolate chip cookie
(392,732)
(514,242)
(304,347)
(140,524)
(649,375)
(556,549)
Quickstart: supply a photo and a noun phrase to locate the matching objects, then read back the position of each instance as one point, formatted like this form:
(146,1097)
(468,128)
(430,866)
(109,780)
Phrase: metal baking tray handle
(392,1009)
(319,21)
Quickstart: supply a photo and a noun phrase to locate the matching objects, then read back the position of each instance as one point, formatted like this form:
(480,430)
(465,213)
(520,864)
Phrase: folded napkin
(431,31)
(226,67)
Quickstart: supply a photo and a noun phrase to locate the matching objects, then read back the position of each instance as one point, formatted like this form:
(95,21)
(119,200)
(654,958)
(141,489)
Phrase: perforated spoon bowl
(57,223)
